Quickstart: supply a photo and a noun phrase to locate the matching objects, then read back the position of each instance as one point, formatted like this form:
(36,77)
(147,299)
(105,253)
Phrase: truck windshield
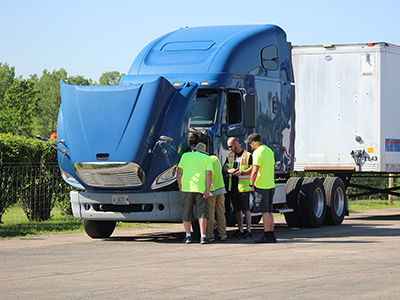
(204,113)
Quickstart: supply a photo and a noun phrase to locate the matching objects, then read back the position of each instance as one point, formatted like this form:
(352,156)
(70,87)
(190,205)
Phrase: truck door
(232,114)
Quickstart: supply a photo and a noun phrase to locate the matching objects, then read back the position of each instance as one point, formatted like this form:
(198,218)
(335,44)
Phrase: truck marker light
(176,84)
(204,83)
(370,44)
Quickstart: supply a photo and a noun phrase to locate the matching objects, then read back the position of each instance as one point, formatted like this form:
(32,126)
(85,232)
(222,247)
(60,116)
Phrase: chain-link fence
(32,195)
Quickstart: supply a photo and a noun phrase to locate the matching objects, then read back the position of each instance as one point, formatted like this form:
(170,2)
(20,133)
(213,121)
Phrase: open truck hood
(115,129)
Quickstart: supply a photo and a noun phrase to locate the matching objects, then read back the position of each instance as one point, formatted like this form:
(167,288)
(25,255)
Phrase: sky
(90,37)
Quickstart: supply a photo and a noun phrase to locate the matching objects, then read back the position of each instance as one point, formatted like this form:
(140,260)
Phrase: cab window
(204,113)
(232,111)
(269,58)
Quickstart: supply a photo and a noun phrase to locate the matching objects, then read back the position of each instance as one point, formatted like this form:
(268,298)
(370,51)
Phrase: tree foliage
(30,106)
(7,75)
(49,100)
(79,80)
(110,78)
(18,107)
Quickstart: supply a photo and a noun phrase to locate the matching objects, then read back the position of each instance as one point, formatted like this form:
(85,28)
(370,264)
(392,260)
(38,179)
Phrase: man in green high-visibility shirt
(262,182)
(194,177)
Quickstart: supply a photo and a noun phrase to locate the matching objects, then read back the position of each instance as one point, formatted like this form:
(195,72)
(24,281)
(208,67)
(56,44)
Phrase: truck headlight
(165,178)
(71,180)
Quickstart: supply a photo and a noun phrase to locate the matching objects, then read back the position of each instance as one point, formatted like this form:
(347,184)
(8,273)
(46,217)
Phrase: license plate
(120,199)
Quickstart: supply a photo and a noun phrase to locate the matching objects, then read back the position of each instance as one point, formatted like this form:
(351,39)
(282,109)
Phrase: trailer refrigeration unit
(119,145)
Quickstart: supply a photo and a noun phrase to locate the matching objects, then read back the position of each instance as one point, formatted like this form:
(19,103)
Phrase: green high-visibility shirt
(194,166)
(217,179)
(263,157)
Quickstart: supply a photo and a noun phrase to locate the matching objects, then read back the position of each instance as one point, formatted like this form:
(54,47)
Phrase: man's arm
(245,172)
(208,184)
(253,177)
(225,167)
(179,172)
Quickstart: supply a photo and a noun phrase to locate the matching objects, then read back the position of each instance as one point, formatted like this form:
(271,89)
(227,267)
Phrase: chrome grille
(110,174)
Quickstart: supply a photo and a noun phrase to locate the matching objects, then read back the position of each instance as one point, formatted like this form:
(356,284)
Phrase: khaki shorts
(187,202)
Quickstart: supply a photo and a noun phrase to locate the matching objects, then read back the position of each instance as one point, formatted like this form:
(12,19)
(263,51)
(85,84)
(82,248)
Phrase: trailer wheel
(312,202)
(99,229)
(335,200)
(293,186)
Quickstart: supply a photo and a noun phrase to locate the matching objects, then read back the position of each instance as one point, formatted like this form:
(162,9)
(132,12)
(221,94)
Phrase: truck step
(283,210)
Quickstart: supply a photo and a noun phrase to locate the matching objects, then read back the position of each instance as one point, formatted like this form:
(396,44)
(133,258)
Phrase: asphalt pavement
(358,260)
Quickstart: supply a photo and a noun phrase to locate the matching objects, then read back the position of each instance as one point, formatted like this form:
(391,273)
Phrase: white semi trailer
(347,108)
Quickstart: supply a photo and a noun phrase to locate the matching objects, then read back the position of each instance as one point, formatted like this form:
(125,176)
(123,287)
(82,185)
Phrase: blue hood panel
(124,122)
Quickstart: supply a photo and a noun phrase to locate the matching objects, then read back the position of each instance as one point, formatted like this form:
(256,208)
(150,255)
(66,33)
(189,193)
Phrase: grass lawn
(15,223)
(372,204)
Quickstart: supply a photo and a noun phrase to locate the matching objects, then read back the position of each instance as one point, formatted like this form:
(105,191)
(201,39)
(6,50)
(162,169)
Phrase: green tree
(49,100)
(110,78)
(79,80)
(7,75)
(17,107)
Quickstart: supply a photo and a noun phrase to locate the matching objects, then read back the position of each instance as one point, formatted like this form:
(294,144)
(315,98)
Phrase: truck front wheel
(99,229)
(312,202)
(335,200)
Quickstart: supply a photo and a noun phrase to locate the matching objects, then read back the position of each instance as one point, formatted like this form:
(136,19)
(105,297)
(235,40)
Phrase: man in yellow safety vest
(238,165)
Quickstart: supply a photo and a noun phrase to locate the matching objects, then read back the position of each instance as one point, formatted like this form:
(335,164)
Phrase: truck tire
(293,186)
(335,192)
(312,202)
(99,229)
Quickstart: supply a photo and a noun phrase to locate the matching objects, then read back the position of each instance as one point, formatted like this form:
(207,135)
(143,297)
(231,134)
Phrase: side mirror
(249,111)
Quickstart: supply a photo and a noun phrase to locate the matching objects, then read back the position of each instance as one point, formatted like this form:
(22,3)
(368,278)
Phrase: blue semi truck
(120,145)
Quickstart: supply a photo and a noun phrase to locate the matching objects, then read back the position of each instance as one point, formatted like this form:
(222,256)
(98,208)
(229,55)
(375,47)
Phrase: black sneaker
(204,240)
(263,239)
(237,234)
(247,235)
(274,238)
(223,239)
(187,240)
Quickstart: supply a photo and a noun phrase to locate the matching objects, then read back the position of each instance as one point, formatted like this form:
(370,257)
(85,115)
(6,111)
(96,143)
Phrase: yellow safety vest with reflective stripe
(244,180)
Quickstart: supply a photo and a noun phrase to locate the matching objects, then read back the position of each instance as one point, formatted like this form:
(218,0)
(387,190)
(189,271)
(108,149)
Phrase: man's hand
(232,171)
(206,194)
(237,174)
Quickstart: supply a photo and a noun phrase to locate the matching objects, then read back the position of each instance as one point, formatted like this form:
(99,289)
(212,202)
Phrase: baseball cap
(254,137)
